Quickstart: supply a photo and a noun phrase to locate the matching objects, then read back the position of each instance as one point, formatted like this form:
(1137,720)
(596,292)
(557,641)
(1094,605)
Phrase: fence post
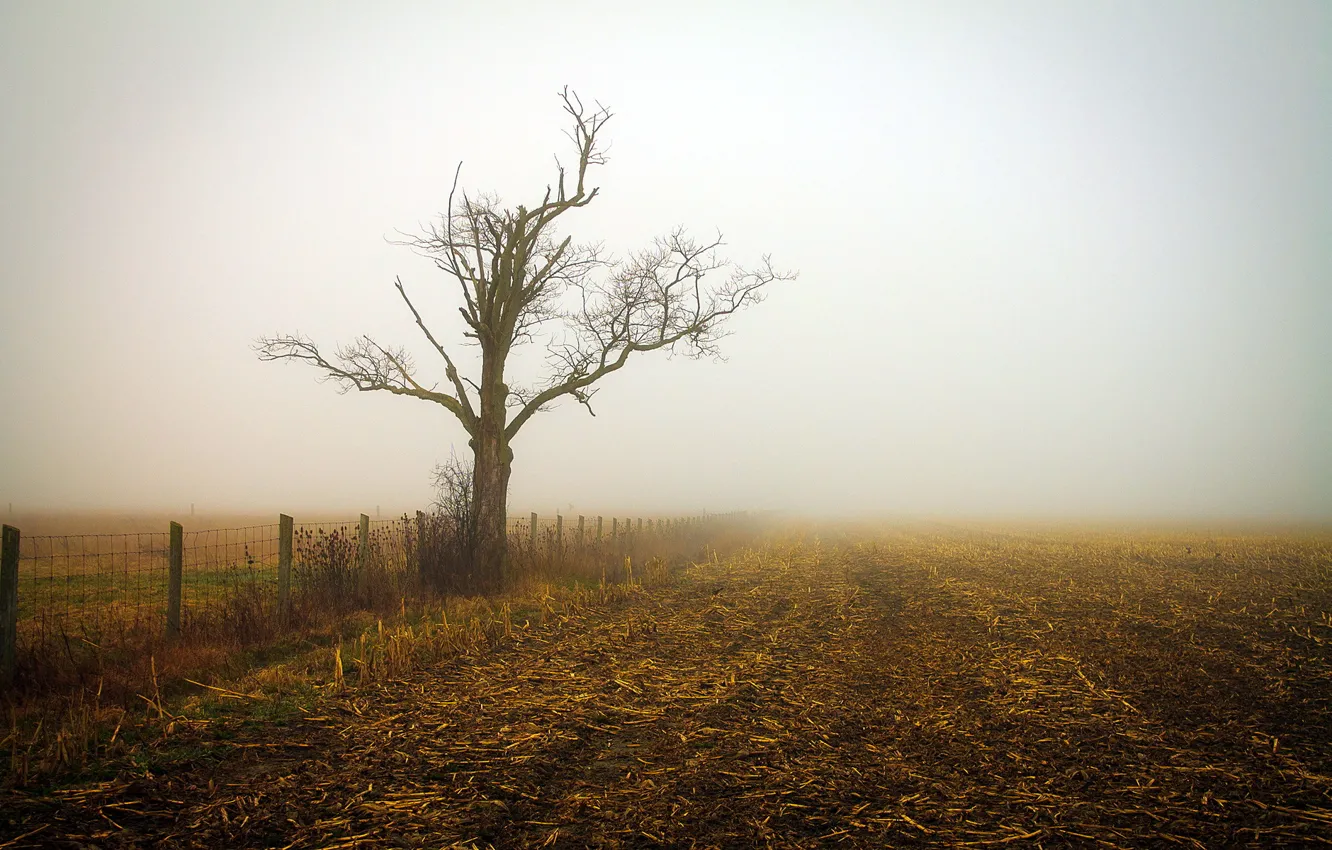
(580,532)
(363,545)
(532,532)
(598,529)
(559,532)
(9,558)
(175,567)
(286,525)
(640,525)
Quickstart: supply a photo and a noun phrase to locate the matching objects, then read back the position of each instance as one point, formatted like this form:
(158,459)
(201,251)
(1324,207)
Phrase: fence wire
(89,587)
(229,580)
(108,589)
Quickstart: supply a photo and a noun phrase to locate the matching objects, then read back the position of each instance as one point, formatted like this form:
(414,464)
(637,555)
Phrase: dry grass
(928,686)
(87,679)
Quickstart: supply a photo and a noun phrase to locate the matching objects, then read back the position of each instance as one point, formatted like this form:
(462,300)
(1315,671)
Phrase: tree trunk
(490,487)
(492,461)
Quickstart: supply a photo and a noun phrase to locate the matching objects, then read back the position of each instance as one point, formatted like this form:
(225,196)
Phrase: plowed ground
(921,691)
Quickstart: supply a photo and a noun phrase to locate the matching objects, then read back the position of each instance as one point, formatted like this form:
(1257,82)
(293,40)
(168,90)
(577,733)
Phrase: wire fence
(224,567)
(76,594)
(79,587)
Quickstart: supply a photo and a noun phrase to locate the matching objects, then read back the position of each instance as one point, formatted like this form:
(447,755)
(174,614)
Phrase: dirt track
(859,697)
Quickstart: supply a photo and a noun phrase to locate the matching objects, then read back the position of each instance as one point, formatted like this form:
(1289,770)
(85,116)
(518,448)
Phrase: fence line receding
(72,593)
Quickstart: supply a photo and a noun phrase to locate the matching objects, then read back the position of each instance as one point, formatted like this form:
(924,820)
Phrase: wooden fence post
(559,532)
(598,529)
(286,526)
(175,569)
(615,528)
(532,532)
(580,532)
(640,525)
(363,545)
(9,561)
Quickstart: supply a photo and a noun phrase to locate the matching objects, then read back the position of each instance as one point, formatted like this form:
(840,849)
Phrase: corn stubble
(920,686)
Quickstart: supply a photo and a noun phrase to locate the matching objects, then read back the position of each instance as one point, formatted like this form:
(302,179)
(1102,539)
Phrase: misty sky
(1056,259)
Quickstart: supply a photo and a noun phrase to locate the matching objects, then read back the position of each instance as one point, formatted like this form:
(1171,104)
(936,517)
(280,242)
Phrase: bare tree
(444,543)
(517,277)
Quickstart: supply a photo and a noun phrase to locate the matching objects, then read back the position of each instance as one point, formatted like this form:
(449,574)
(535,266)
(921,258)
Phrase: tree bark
(492,463)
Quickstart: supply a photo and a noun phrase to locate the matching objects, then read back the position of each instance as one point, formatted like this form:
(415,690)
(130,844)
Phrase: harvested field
(932,687)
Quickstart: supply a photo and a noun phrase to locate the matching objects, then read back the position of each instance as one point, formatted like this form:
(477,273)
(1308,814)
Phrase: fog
(1056,260)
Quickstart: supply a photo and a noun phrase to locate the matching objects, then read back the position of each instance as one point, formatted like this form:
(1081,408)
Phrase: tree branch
(363,365)
(517,274)
(465,411)
(657,299)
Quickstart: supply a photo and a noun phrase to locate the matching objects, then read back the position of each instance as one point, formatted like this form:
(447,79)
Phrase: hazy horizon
(1056,262)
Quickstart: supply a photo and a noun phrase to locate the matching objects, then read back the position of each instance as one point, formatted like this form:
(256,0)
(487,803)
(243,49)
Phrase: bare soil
(925,690)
